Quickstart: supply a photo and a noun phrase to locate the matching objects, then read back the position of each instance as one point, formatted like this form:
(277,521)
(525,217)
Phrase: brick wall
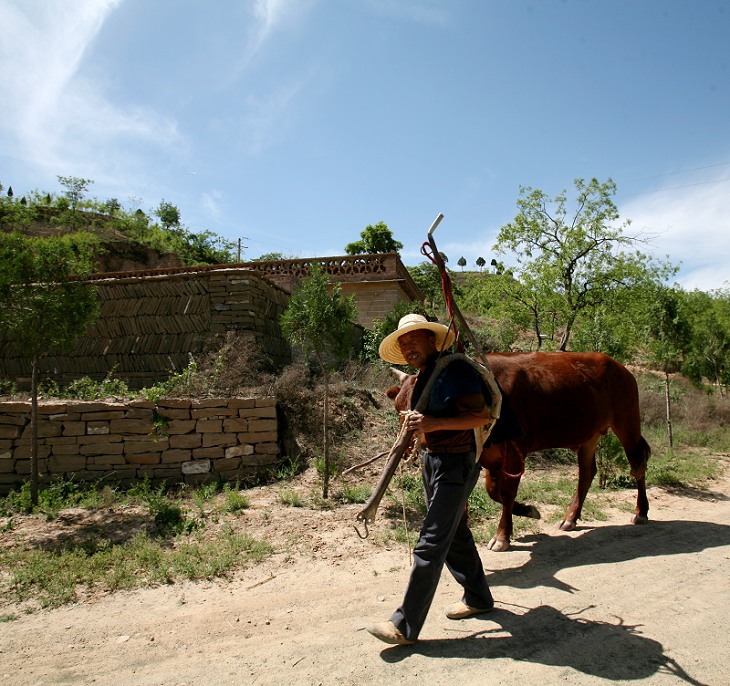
(175,441)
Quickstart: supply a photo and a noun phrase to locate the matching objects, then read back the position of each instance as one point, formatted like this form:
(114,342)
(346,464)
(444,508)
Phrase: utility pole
(238,255)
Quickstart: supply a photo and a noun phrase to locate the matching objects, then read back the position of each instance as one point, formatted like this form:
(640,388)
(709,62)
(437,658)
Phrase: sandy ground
(608,603)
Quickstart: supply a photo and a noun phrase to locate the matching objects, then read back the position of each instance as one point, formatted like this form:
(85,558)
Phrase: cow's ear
(392,392)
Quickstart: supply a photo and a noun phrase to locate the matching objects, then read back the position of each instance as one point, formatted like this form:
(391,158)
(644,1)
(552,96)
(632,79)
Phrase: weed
(174,383)
(17,502)
(335,463)
(287,470)
(235,501)
(49,388)
(351,493)
(159,423)
(86,388)
(548,490)
(8,388)
(56,496)
(204,493)
(291,498)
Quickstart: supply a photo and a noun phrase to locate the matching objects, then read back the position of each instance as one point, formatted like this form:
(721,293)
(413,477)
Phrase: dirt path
(607,603)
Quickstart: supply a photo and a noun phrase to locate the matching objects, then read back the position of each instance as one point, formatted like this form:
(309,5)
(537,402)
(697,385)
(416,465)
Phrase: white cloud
(691,224)
(270,16)
(53,118)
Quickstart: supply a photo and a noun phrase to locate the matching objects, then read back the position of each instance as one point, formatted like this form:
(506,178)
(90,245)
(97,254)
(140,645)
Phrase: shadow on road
(546,636)
(605,545)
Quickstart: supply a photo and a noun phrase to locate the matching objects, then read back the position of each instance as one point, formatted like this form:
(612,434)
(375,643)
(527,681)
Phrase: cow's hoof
(639,519)
(567,525)
(532,512)
(498,545)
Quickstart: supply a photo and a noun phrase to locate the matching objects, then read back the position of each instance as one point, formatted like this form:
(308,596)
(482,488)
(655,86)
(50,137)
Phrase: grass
(54,578)
(353,493)
(289,497)
(178,535)
(166,540)
(682,468)
(551,489)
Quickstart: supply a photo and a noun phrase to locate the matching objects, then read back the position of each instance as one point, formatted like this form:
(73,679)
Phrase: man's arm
(472,412)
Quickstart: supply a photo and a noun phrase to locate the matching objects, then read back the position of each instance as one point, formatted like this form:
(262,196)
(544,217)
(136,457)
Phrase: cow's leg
(638,458)
(502,488)
(586,471)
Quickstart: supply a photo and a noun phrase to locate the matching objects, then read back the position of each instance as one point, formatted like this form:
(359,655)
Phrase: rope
(405,514)
(503,453)
(447,289)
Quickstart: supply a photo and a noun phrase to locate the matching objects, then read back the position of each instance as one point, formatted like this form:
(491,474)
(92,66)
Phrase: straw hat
(389,349)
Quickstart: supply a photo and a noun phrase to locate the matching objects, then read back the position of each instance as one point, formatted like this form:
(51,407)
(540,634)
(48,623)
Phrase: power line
(674,188)
(681,171)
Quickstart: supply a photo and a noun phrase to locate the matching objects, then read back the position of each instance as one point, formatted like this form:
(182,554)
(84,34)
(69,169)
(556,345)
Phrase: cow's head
(401,395)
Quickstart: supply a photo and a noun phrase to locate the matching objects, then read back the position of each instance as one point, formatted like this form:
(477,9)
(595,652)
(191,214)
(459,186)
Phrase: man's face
(418,347)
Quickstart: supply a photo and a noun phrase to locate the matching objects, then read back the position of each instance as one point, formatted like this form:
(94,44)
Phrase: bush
(612,463)
(88,389)
(239,367)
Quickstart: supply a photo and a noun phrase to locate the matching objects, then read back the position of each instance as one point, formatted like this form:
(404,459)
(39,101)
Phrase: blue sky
(293,124)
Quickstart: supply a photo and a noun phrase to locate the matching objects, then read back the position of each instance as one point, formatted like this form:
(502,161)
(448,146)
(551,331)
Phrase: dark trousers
(448,479)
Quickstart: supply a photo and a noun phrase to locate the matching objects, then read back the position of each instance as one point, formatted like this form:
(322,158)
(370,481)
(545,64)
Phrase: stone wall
(151,324)
(175,441)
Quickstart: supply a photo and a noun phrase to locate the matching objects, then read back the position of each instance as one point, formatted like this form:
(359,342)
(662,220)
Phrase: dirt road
(609,603)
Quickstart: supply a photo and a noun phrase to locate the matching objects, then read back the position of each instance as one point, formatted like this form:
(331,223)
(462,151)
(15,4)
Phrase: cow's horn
(398,374)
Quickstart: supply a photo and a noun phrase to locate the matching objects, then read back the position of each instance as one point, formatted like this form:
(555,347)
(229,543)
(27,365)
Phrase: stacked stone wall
(153,323)
(151,326)
(175,441)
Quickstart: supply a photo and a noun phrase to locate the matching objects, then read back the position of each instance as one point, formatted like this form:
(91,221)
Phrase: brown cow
(563,400)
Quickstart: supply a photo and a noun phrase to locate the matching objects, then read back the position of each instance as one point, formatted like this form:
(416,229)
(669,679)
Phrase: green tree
(611,327)
(168,214)
(271,257)
(111,206)
(13,215)
(462,262)
(480,263)
(428,279)
(319,320)
(45,304)
(376,238)
(76,188)
(670,334)
(575,258)
(708,356)
(201,247)
(68,204)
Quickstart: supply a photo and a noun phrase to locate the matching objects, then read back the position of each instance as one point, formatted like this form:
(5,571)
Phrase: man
(450,471)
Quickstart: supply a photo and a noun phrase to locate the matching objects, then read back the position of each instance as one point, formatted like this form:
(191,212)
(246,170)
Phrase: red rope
(447,289)
(503,451)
